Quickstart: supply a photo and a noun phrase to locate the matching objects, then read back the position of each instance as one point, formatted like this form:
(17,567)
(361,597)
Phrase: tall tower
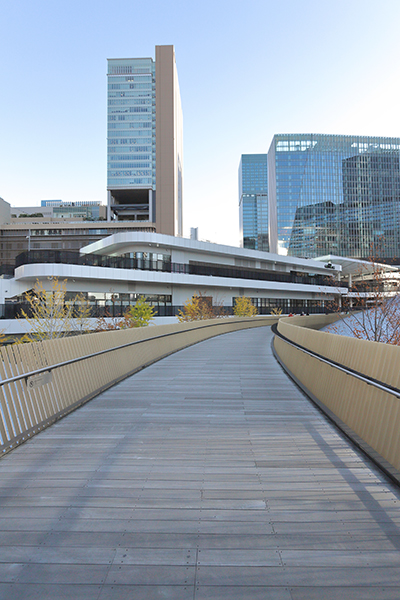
(144,141)
(253,201)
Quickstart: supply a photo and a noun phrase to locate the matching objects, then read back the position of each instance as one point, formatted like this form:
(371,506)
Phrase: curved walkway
(206,475)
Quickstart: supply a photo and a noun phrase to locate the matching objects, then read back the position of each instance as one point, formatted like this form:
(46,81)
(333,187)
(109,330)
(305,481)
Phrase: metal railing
(144,264)
(368,380)
(118,308)
(355,382)
(43,381)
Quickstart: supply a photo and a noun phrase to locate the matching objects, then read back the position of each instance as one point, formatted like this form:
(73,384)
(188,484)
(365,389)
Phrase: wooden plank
(206,475)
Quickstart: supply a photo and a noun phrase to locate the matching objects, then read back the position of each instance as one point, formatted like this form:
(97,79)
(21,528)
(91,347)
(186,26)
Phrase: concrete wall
(5,212)
(168,143)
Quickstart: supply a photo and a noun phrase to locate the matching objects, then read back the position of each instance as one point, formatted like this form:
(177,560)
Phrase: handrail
(77,368)
(369,380)
(191,268)
(360,396)
(99,353)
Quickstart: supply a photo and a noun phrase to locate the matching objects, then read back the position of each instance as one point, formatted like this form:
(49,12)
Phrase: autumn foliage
(139,315)
(198,308)
(244,307)
(50,317)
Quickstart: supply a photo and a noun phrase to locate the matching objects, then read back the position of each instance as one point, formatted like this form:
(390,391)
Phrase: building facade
(332,194)
(253,201)
(89,210)
(144,141)
(55,225)
(83,210)
(114,272)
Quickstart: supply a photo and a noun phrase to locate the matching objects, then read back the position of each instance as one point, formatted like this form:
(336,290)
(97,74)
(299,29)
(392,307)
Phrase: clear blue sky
(246,70)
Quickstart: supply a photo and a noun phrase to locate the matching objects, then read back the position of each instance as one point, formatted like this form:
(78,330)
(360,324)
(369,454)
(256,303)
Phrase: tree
(199,308)
(194,310)
(244,307)
(25,215)
(277,311)
(50,317)
(81,315)
(140,314)
(108,323)
(377,306)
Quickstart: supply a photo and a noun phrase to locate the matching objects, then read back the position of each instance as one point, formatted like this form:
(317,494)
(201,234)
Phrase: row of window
(132,109)
(130,117)
(131,95)
(128,102)
(76,233)
(123,141)
(138,78)
(131,126)
(135,181)
(130,157)
(130,86)
(129,173)
(337,142)
(322,173)
(131,165)
(129,69)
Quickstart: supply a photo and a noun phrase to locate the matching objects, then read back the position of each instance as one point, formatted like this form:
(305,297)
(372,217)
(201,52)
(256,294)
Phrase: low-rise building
(113,272)
(55,225)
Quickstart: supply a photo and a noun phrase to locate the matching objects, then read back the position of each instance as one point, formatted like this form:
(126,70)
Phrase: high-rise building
(253,201)
(332,194)
(144,141)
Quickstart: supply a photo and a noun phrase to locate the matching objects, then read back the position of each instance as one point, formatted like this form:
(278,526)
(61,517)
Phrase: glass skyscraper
(332,194)
(131,123)
(131,139)
(253,201)
(144,141)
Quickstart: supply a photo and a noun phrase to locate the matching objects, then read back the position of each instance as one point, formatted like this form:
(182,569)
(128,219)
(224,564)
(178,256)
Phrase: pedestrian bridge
(207,475)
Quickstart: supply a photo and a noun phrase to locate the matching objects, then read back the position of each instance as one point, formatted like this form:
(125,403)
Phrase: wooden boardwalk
(205,476)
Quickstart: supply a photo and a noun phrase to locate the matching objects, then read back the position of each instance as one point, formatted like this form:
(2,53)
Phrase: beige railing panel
(379,361)
(371,413)
(50,389)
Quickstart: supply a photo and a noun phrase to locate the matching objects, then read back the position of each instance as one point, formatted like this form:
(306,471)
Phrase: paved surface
(207,475)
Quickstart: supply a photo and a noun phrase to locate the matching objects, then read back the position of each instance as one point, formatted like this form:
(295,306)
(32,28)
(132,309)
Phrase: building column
(109,198)
(150,200)
(350,284)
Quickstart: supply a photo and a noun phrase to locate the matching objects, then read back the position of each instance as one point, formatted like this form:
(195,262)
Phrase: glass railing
(123,262)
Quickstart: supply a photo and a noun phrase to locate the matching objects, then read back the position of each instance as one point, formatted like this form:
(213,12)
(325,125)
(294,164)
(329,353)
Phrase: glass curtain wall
(335,194)
(253,201)
(131,123)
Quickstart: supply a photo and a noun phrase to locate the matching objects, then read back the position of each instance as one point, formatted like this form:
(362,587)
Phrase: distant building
(83,210)
(5,211)
(90,210)
(144,141)
(253,201)
(333,194)
(42,228)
